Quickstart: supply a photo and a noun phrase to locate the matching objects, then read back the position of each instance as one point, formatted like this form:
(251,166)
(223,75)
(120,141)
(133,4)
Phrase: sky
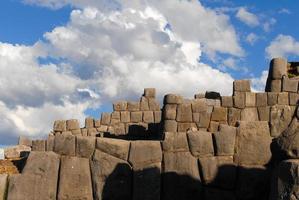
(63,59)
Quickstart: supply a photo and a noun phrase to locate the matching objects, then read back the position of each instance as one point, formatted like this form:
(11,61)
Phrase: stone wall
(212,147)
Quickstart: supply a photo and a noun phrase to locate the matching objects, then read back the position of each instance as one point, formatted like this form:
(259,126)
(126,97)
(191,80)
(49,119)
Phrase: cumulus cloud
(110,50)
(282,46)
(258,83)
(247,17)
(251,38)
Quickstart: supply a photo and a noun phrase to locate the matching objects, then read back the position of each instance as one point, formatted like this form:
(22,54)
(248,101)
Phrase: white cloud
(282,46)
(258,84)
(284,11)
(1,153)
(247,17)
(269,24)
(251,38)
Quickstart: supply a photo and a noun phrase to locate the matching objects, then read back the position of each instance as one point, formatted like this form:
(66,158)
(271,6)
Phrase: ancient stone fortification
(212,147)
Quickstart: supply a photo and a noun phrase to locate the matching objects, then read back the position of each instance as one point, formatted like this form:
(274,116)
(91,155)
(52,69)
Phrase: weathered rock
(185,126)
(199,105)
(280,118)
(173,99)
(288,141)
(125,116)
(293,98)
(213,127)
(148,117)
(154,105)
(3,186)
(38,145)
(91,132)
(200,143)
(157,116)
(181,178)
(261,99)
(89,122)
(59,125)
(218,171)
(225,140)
(136,116)
(111,177)
(50,143)
(250,99)
(144,104)
(253,143)
(285,181)
(264,113)
(249,114)
(170,126)
(175,142)
(272,98)
(105,118)
(276,86)
(25,141)
(202,119)
(219,114)
(283,98)
(169,112)
(75,179)
(239,99)
(114,147)
(150,92)
(234,115)
(241,86)
(120,106)
(227,101)
(133,106)
(184,113)
(16,151)
(65,145)
(289,85)
(278,68)
(119,129)
(72,124)
(144,153)
(85,146)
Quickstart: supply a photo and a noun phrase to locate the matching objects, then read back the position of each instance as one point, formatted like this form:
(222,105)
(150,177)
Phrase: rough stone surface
(111,177)
(253,143)
(219,114)
(25,141)
(169,112)
(227,101)
(225,140)
(239,99)
(72,124)
(105,118)
(38,145)
(65,145)
(261,99)
(185,126)
(153,104)
(3,186)
(276,86)
(125,116)
(280,117)
(283,98)
(50,143)
(173,99)
(250,99)
(175,142)
(249,114)
(144,104)
(199,105)
(293,98)
(89,122)
(264,113)
(278,68)
(120,106)
(16,151)
(157,116)
(114,147)
(181,178)
(75,179)
(59,125)
(200,143)
(202,119)
(148,117)
(133,106)
(214,126)
(272,98)
(136,116)
(85,146)
(289,85)
(184,113)
(150,92)
(170,126)
(241,86)
(234,115)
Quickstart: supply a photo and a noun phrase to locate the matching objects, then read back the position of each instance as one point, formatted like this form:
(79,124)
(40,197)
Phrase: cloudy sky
(62,59)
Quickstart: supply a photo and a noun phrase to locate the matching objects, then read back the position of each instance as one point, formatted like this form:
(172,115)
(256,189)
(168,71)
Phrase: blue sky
(71,59)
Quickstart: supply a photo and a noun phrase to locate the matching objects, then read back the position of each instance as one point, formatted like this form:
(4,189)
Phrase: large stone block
(276,86)
(72,124)
(133,106)
(253,143)
(227,101)
(65,145)
(59,126)
(219,114)
(261,99)
(16,151)
(283,98)
(75,179)
(278,68)
(150,92)
(119,129)
(50,143)
(175,142)
(85,146)
(170,126)
(289,85)
(185,126)
(202,119)
(200,143)
(169,111)
(148,117)
(241,86)
(199,105)
(38,145)
(213,127)
(3,186)
(272,98)
(249,114)
(111,177)
(250,99)
(218,171)
(114,147)
(154,105)
(25,141)
(89,122)
(143,153)
(234,115)
(280,118)
(239,99)
(184,113)
(225,140)
(293,98)
(285,181)
(136,116)
(181,178)
(144,104)
(105,118)
(125,117)
(173,99)
(264,113)
(157,116)
(120,106)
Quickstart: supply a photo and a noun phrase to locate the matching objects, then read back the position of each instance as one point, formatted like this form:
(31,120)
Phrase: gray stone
(72,124)
(253,143)
(261,99)
(239,99)
(59,125)
(241,86)
(85,146)
(276,86)
(150,92)
(111,177)
(289,85)
(25,141)
(173,99)
(169,111)
(264,113)
(38,145)
(280,118)
(250,99)
(278,68)
(65,145)
(234,115)
(227,101)
(283,98)
(184,113)
(272,98)
(200,143)
(16,151)
(3,186)
(114,147)
(120,106)
(89,122)
(249,114)
(225,140)
(175,142)
(105,118)
(75,179)
(170,126)
(293,98)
